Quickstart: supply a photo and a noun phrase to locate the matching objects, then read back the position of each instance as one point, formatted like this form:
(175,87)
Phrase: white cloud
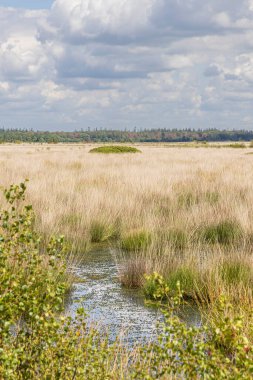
(152,63)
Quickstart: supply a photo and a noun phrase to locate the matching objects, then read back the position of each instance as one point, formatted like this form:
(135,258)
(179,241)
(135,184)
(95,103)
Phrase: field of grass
(177,216)
(165,208)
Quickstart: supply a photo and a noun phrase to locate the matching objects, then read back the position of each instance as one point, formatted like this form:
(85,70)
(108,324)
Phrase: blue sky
(124,63)
(31,4)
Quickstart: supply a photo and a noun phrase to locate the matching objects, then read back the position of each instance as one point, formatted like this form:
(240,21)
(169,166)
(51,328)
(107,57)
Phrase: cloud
(120,63)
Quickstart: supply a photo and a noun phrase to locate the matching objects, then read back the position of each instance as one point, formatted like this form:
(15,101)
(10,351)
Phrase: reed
(171,209)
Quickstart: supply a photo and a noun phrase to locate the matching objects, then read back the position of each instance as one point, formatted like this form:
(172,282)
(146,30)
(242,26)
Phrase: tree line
(152,135)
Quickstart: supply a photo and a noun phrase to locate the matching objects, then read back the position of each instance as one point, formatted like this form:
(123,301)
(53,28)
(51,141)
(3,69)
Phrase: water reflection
(114,308)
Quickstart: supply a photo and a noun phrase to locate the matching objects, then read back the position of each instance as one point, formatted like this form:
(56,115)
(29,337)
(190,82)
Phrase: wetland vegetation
(107,149)
(182,228)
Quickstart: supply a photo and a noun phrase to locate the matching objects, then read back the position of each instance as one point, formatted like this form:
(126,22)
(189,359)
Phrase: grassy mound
(115,149)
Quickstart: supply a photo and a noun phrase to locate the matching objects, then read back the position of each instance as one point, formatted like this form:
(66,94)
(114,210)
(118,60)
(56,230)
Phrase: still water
(115,309)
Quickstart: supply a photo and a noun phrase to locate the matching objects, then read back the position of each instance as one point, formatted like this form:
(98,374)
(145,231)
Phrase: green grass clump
(136,241)
(157,287)
(225,233)
(187,278)
(178,239)
(236,272)
(115,149)
(99,232)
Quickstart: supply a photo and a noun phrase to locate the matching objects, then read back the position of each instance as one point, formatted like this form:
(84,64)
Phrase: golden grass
(179,198)
(160,190)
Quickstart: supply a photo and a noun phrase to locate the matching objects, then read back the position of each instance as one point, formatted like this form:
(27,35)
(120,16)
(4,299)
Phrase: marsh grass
(237,271)
(132,272)
(177,238)
(136,241)
(191,198)
(174,208)
(225,232)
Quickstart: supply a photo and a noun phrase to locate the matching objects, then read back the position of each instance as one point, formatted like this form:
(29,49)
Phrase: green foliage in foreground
(115,149)
(36,342)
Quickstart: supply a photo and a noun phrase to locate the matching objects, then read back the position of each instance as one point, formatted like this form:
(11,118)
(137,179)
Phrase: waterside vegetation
(36,341)
(182,224)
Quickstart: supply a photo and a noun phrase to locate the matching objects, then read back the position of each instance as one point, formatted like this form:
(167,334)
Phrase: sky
(116,64)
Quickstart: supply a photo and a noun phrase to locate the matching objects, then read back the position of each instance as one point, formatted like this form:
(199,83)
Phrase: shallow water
(113,308)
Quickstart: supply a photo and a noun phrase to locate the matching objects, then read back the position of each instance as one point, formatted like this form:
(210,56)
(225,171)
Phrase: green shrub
(115,149)
(156,287)
(225,232)
(136,241)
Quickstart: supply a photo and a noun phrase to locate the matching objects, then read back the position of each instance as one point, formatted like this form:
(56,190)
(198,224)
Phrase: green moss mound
(115,149)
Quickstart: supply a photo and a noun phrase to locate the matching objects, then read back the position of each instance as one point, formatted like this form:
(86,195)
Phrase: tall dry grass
(158,190)
(178,198)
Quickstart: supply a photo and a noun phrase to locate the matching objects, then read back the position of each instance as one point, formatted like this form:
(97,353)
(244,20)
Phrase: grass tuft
(236,272)
(225,233)
(100,232)
(136,241)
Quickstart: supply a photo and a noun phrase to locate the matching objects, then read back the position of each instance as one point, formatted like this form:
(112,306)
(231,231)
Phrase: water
(113,308)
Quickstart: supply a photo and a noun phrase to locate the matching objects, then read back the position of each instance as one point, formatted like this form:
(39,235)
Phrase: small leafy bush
(115,149)
(136,241)
(156,287)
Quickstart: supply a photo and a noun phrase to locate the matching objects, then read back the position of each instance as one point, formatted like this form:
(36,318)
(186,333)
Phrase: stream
(114,309)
